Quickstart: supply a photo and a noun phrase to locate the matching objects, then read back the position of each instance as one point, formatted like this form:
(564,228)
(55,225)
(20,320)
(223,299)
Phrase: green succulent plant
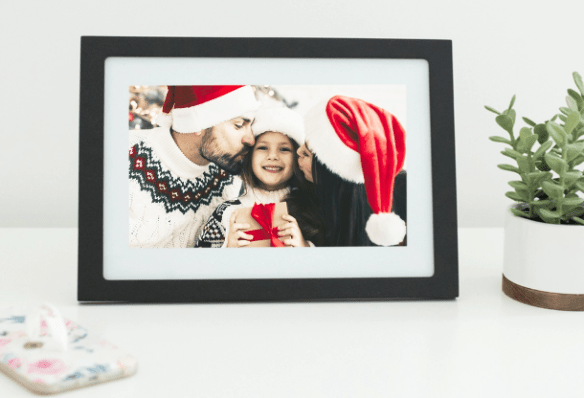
(549,178)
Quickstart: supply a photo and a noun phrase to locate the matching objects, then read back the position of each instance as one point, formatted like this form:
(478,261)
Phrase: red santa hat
(188,109)
(362,143)
(280,120)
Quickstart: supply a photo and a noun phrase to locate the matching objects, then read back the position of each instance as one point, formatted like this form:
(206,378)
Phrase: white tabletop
(481,345)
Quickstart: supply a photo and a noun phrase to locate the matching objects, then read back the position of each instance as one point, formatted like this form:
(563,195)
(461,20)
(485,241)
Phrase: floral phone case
(49,354)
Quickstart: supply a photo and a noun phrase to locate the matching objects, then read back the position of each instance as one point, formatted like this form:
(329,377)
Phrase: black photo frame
(94,287)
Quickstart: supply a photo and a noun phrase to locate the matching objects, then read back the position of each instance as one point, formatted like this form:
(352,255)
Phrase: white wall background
(501,47)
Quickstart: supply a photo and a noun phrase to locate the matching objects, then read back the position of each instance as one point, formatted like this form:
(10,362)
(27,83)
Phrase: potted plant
(544,230)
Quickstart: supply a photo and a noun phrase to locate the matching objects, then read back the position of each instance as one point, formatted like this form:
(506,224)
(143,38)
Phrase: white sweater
(170,196)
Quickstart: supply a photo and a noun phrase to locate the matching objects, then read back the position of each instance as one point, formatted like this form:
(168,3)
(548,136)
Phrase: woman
(359,151)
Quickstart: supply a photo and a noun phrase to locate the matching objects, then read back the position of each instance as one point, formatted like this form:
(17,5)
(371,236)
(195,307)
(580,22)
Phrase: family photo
(267,166)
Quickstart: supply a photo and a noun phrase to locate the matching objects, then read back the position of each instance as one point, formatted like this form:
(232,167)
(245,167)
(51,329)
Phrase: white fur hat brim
(279,120)
(324,142)
(210,113)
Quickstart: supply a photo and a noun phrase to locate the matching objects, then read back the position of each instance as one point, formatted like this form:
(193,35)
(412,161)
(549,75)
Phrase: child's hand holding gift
(292,232)
(236,236)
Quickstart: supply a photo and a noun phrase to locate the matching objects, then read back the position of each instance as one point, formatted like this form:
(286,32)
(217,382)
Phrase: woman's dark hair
(301,201)
(344,206)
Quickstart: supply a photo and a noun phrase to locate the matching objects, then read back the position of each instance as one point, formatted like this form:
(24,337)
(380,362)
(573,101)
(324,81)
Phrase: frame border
(92,286)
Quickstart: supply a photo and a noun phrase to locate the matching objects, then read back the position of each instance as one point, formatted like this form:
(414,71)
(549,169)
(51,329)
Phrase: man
(180,172)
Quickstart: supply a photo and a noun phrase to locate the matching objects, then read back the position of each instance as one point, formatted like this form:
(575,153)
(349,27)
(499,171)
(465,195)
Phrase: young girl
(271,175)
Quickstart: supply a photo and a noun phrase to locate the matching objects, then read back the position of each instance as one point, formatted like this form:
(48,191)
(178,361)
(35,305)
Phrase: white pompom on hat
(279,120)
(189,109)
(362,143)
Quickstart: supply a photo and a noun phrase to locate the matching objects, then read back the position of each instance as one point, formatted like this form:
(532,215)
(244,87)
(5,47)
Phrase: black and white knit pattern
(213,232)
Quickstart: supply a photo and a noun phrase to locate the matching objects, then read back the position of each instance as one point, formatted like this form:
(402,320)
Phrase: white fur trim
(211,113)
(386,229)
(324,142)
(280,120)
(164,120)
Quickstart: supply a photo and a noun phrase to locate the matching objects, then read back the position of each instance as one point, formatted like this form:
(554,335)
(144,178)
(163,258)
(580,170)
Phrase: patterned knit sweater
(170,196)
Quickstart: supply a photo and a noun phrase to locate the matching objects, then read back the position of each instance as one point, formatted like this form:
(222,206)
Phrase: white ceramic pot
(547,258)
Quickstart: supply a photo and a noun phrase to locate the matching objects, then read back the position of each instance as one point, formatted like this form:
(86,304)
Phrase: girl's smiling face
(305,162)
(272,161)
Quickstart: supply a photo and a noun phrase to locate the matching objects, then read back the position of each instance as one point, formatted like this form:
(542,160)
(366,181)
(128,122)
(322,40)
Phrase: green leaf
(549,214)
(523,194)
(492,110)
(529,121)
(536,177)
(510,153)
(574,150)
(579,133)
(495,138)
(554,118)
(574,94)
(545,219)
(565,111)
(548,220)
(541,164)
(578,211)
(508,167)
(557,164)
(578,160)
(572,104)
(542,134)
(513,196)
(552,190)
(512,102)
(570,178)
(572,201)
(519,213)
(518,185)
(563,118)
(539,174)
(540,203)
(529,142)
(579,100)
(568,210)
(512,114)
(525,132)
(542,149)
(578,81)
(526,140)
(578,220)
(523,163)
(557,133)
(580,186)
(572,121)
(505,122)
(513,152)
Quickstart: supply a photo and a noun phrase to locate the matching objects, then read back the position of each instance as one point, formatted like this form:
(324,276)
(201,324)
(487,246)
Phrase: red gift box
(263,219)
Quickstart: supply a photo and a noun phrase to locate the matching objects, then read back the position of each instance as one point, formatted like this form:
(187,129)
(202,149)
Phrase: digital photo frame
(412,77)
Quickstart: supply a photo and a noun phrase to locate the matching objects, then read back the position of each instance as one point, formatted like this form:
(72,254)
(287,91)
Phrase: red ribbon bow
(264,215)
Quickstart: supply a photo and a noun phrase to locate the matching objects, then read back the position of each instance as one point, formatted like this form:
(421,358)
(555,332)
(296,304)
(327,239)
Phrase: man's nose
(248,139)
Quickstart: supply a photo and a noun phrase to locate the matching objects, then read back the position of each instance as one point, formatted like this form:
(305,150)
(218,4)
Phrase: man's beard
(209,151)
